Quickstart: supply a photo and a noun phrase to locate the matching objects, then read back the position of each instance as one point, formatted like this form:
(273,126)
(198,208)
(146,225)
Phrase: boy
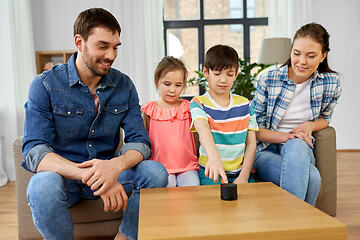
(226,123)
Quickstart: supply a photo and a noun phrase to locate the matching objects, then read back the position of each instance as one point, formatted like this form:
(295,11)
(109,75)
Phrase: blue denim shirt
(61,117)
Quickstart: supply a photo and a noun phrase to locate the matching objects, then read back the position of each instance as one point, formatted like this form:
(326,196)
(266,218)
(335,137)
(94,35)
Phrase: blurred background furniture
(275,51)
(90,220)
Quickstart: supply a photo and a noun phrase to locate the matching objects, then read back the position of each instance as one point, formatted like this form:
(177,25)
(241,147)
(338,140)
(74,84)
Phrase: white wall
(53,22)
(342,20)
(139,19)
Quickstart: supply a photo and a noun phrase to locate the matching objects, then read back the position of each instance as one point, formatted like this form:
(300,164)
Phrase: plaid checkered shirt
(275,90)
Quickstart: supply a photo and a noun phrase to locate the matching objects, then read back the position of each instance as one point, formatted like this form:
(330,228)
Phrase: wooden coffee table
(262,211)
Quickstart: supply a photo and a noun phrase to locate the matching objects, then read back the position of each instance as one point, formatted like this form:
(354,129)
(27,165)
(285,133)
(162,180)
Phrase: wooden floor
(348,195)
(348,204)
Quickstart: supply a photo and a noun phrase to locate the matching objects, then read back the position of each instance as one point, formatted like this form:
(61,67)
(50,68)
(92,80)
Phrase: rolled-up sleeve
(140,147)
(136,137)
(34,156)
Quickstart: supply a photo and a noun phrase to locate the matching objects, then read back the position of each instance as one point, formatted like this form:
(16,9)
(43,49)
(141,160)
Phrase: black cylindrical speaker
(229,191)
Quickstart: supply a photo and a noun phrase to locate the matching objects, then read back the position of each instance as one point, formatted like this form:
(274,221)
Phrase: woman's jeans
(292,167)
(50,195)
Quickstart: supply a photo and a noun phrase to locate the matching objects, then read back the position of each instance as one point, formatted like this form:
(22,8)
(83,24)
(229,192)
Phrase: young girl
(168,121)
(290,103)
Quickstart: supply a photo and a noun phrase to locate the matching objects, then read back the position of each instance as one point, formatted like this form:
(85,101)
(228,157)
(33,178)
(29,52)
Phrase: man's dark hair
(92,18)
(221,57)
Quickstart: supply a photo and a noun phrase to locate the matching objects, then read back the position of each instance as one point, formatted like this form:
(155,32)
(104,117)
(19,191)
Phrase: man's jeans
(292,167)
(50,195)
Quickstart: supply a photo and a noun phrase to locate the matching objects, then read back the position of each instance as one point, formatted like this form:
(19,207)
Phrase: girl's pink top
(172,143)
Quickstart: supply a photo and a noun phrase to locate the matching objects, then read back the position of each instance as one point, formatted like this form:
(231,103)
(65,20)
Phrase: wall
(342,20)
(53,21)
(139,20)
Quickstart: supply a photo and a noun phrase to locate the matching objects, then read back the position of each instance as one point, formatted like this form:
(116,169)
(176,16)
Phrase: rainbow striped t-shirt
(228,125)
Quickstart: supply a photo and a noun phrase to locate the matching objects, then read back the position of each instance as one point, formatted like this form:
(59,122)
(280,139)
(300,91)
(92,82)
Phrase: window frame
(202,22)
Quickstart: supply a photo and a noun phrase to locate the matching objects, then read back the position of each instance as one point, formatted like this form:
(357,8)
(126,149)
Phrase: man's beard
(93,67)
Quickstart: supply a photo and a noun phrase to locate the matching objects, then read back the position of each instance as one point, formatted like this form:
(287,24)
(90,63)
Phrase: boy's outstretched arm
(214,167)
(249,157)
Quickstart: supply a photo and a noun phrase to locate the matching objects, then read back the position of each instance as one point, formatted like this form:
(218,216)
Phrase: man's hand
(214,168)
(114,198)
(101,174)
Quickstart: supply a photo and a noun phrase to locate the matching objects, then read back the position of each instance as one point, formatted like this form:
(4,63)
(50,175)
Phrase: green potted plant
(244,83)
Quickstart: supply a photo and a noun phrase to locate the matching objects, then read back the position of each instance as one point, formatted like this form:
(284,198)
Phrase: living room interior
(29,27)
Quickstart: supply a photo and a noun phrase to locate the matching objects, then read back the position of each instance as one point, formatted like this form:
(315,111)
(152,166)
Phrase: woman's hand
(287,136)
(304,131)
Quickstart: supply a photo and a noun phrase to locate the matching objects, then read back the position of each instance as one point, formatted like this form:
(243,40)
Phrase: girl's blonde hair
(169,64)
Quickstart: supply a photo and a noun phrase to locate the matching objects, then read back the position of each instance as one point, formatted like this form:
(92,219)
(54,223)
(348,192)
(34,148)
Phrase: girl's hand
(214,168)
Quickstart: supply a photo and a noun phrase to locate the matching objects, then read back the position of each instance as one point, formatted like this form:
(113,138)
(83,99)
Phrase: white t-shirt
(299,110)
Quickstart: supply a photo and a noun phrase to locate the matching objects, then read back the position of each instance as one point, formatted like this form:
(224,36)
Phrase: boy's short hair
(92,18)
(221,57)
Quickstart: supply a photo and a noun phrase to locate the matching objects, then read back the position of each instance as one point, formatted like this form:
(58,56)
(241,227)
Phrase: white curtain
(287,16)
(281,18)
(303,12)
(17,67)
(142,42)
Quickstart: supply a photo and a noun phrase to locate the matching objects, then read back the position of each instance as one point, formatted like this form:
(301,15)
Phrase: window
(191,27)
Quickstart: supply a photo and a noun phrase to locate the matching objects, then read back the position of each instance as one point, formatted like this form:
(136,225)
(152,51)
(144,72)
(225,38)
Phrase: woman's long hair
(320,35)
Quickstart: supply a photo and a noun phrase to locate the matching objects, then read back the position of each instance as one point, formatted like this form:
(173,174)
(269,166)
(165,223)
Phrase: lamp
(275,51)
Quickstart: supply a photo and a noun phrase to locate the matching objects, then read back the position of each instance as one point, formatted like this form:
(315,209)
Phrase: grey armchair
(90,220)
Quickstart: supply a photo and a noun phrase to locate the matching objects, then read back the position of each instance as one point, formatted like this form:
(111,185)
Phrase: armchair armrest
(326,163)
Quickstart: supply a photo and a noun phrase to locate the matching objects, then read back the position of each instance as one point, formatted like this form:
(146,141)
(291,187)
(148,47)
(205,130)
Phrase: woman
(290,103)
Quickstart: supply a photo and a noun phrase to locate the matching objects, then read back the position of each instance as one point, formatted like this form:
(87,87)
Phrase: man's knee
(155,172)
(45,187)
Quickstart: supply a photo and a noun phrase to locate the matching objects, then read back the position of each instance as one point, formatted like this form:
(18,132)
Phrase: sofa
(91,222)
(326,162)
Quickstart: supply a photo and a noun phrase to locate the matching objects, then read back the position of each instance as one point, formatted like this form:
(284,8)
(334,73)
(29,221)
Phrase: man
(74,114)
